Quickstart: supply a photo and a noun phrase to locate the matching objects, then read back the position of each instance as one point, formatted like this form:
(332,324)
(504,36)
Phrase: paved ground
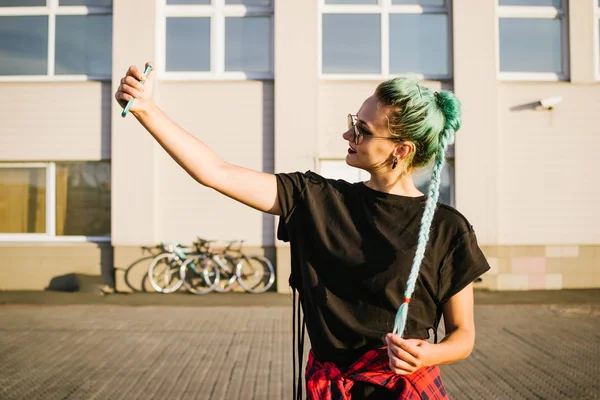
(109,351)
(482,297)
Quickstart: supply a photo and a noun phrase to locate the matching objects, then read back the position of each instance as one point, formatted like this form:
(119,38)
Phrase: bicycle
(221,264)
(254,274)
(163,272)
(198,272)
(252,271)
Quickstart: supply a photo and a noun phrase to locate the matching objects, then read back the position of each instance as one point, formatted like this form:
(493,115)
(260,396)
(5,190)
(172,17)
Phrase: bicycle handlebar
(199,244)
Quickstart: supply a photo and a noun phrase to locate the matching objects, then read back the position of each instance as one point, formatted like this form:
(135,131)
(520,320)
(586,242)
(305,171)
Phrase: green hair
(429,120)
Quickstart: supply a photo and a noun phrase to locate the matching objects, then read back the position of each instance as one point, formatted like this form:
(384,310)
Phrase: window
(338,169)
(379,38)
(49,200)
(533,39)
(217,39)
(55,39)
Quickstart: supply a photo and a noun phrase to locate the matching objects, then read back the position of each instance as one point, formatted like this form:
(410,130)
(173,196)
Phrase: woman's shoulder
(311,178)
(452,221)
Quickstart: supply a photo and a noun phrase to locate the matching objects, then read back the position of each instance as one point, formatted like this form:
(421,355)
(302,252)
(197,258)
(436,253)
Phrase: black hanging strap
(294,342)
(298,331)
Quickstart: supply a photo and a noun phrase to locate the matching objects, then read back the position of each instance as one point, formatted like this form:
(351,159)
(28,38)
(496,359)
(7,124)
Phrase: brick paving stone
(213,353)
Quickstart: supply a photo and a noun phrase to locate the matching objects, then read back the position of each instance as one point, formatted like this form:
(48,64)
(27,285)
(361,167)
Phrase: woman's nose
(347,135)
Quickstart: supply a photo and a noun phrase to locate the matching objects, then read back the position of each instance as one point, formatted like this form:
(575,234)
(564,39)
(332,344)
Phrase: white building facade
(268,84)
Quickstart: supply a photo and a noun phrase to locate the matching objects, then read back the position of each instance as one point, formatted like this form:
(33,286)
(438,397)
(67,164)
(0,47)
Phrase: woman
(361,252)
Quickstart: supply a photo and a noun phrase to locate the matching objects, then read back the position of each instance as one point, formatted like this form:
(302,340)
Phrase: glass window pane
(351,43)
(24,45)
(188,1)
(350,1)
(419,44)
(528,3)
(531,45)
(22,3)
(22,200)
(423,176)
(83,45)
(250,2)
(88,3)
(420,2)
(83,199)
(248,44)
(188,44)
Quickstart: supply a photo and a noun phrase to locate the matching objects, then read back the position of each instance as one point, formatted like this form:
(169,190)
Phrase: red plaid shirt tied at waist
(325,381)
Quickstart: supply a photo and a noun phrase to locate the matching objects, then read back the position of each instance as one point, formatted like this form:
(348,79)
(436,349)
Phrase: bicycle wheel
(199,274)
(163,273)
(255,274)
(137,264)
(226,265)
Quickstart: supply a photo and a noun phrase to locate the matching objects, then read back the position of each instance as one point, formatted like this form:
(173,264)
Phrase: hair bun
(450,106)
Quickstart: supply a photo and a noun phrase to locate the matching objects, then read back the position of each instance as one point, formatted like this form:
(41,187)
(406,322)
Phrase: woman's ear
(404,150)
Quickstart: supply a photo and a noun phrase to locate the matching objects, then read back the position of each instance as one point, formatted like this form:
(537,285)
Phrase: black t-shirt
(352,248)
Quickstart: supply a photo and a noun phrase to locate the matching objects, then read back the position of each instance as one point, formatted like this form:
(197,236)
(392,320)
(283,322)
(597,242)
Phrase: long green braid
(429,120)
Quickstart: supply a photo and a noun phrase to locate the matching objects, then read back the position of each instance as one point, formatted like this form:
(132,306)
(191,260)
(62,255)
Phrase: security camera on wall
(550,102)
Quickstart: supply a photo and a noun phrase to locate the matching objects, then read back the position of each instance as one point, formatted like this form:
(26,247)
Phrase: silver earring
(395,163)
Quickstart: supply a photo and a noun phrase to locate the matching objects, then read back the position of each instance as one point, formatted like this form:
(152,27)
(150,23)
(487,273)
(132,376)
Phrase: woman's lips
(351,150)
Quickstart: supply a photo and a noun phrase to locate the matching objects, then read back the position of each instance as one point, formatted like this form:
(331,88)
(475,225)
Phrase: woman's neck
(394,184)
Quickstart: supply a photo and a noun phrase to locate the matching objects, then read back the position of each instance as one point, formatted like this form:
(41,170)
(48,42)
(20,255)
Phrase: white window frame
(217,11)
(384,8)
(534,12)
(50,235)
(51,10)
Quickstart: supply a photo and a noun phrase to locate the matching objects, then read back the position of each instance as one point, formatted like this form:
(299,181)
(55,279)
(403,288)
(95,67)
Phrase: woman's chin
(350,160)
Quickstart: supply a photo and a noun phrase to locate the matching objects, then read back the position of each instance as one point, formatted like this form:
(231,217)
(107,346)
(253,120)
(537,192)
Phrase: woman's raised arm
(253,188)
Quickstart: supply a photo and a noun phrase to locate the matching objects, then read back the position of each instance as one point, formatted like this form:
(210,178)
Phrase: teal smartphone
(130,102)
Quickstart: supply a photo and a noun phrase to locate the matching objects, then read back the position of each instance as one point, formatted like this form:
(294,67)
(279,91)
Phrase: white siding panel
(549,186)
(236,120)
(55,121)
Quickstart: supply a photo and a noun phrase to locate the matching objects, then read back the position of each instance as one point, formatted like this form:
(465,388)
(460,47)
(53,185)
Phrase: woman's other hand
(408,355)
